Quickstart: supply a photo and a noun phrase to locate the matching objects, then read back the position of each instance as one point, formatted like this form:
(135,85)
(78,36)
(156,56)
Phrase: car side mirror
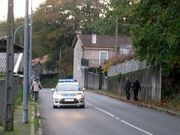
(52,89)
(83,89)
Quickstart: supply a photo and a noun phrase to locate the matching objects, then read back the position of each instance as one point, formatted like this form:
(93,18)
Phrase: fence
(149,78)
(126,67)
(3,97)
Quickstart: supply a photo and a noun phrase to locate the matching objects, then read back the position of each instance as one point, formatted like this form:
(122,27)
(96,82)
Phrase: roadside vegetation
(49,82)
(19,98)
(2,76)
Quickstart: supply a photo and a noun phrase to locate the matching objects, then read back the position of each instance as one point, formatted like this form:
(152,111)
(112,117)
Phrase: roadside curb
(176,113)
(32,124)
(36,129)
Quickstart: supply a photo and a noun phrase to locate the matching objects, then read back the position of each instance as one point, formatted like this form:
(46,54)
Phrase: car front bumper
(68,102)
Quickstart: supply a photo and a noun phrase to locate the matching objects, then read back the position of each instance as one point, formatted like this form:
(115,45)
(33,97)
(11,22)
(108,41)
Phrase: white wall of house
(93,54)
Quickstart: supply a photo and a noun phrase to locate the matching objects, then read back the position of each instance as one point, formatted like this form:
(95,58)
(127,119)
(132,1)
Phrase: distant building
(92,51)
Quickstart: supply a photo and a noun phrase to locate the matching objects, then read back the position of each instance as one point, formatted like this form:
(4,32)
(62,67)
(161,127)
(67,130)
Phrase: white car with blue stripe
(68,93)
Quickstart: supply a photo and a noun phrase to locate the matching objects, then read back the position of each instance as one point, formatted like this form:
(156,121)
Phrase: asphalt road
(104,116)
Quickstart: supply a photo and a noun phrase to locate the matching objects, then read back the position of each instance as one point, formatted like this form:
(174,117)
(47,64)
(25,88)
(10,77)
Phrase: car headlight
(79,95)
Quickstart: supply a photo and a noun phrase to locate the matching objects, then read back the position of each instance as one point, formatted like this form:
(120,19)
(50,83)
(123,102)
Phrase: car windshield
(68,87)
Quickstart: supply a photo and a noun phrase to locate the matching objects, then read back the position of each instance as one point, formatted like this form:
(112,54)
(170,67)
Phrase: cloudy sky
(19,8)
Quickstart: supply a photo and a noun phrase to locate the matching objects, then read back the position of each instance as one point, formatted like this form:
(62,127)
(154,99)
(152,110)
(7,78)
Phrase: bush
(49,82)
(19,98)
(116,60)
(116,77)
(2,76)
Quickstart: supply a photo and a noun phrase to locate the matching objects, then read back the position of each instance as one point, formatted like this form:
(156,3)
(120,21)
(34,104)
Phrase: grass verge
(36,119)
(20,128)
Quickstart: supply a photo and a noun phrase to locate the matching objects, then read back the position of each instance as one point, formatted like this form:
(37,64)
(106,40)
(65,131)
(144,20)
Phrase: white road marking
(110,114)
(117,118)
(131,125)
(89,104)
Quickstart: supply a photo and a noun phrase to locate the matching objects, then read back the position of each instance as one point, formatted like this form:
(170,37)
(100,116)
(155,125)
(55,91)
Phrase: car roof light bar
(66,80)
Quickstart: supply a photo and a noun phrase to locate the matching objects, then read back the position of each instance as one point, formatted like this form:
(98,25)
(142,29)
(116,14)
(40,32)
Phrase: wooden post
(9,93)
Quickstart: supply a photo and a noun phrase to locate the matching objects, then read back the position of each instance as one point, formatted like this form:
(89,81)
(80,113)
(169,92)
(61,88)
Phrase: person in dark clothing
(127,88)
(136,87)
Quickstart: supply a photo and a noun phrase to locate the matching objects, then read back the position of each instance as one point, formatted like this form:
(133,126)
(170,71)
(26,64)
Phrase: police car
(68,93)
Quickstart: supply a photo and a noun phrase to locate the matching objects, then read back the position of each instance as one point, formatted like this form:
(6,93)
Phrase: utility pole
(60,63)
(9,93)
(25,78)
(116,44)
(30,46)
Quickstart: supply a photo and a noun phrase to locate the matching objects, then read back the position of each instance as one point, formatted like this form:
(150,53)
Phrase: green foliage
(3,29)
(49,82)
(156,32)
(19,98)
(2,76)
(116,77)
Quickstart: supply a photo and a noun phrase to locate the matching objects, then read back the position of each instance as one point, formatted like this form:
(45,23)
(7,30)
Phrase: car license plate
(69,100)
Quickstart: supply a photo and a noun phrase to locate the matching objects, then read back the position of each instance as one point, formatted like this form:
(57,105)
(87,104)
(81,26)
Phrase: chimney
(93,38)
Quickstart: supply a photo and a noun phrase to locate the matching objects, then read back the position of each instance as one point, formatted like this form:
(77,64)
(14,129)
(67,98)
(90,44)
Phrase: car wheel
(54,106)
(82,106)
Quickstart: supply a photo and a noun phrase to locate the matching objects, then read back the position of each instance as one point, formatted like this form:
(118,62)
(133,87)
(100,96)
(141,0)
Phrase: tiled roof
(105,41)
(3,61)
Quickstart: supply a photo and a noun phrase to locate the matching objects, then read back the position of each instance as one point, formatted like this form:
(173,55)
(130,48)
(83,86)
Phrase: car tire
(54,106)
(82,106)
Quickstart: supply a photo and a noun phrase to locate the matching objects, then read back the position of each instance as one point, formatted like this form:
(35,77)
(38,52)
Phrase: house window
(103,56)
(124,51)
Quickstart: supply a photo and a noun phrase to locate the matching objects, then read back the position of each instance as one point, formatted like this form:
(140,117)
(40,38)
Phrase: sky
(19,8)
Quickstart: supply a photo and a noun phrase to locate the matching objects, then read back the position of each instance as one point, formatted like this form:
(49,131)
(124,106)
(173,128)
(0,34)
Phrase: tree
(3,29)
(56,23)
(156,33)
(117,20)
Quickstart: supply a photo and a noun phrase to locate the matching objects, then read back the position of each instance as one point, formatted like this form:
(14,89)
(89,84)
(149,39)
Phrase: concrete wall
(126,67)
(150,80)
(93,81)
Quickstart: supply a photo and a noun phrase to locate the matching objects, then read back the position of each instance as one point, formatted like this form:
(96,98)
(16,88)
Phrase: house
(18,56)
(92,51)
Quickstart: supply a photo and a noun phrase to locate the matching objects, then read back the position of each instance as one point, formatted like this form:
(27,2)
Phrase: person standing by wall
(127,88)
(136,87)
(35,87)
